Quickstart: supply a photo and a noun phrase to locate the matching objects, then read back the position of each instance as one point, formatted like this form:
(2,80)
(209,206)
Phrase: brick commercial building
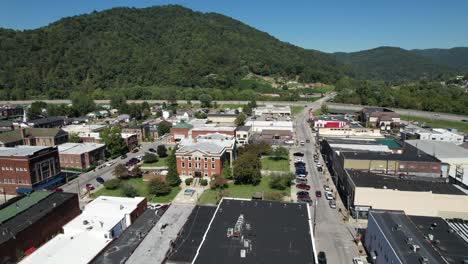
(204,155)
(180,131)
(30,221)
(222,118)
(102,220)
(11,112)
(48,122)
(379,117)
(131,140)
(81,155)
(27,167)
(33,137)
(142,131)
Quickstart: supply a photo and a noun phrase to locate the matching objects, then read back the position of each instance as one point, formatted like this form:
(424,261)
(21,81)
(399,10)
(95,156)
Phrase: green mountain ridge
(173,46)
(163,46)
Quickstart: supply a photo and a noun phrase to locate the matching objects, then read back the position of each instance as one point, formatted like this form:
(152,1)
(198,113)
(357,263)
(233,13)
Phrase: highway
(332,235)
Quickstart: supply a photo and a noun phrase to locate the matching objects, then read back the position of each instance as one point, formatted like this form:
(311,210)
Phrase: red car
(318,194)
(303,186)
(58,190)
(89,187)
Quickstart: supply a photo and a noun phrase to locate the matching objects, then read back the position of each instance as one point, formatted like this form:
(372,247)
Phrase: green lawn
(270,164)
(325,89)
(461,126)
(160,163)
(240,191)
(296,109)
(140,186)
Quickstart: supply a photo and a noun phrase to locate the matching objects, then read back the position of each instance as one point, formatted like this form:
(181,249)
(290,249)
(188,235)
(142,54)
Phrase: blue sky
(327,25)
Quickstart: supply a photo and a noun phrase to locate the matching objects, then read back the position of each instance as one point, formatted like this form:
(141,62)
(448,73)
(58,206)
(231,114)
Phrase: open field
(435,123)
(140,186)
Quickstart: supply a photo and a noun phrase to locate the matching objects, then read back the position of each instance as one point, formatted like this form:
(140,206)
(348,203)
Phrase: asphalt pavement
(79,183)
(332,234)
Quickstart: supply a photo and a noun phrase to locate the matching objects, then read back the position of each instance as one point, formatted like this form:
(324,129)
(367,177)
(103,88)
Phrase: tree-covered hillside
(157,46)
(393,65)
(455,57)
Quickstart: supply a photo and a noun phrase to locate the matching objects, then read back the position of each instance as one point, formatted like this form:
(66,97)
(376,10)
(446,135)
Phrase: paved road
(80,182)
(404,113)
(332,235)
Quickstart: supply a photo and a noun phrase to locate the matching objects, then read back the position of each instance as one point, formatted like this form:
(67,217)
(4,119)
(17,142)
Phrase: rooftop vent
(430,237)
(85,222)
(243,253)
(409,240)
(424,260)
(415,248)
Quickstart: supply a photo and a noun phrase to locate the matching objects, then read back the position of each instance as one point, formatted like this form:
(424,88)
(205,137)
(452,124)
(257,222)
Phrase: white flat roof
(78,148)
(440,149)
(87,234)
(20,151)
(211,128)
(83,128)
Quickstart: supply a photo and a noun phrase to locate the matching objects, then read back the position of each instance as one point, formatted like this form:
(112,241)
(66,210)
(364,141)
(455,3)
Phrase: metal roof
(78,148)
(440,149)
(21,205)
(21,151)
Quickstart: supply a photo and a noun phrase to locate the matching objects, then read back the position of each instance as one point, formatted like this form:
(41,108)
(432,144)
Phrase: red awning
(29,251)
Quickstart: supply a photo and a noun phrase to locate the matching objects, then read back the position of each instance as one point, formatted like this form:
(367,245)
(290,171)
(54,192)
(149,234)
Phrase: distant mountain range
(396,64)
(175,46)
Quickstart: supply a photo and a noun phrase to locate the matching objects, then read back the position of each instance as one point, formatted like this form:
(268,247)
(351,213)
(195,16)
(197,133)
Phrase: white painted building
(260,125)
(102,220)
(272,110)
(440,134)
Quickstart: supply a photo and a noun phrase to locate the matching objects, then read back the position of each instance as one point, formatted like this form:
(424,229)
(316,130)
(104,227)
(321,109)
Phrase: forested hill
(455,57)
(394,64)
(126,47)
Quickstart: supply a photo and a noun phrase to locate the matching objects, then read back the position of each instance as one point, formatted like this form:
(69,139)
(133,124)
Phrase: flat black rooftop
(449,244)
(368,179)
(272,233)
(119,250)
(410,153)
(397,237)
(186,245)
(33,214)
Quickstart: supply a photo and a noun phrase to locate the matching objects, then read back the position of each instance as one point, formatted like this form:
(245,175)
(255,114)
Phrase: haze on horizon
(329,26)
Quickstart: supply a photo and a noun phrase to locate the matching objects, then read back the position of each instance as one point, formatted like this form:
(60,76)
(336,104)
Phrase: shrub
(128,190)
(112,184)
(158,186)
(273,196)
(188,181)
(276,182)
(162,151)
(150,158)
(219,182)
(287,179)
(203,182)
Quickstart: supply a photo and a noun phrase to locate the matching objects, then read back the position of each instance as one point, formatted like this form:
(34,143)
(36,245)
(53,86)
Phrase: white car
(110,163)
(357,260)
(329,195)
(302,143)
(289,142)
(326,188)
(298,160)
(301,176)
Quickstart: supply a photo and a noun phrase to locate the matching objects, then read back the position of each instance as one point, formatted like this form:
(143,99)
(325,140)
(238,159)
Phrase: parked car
(301,180)
(58,190)
(110,163)
(297,160)
(151,150)
(100,180)
(123,156)
(307,140)
(322,258)
(305,200)
(302,172)
(89,187)
(302,143)
(318,194)
(301,176)
(303,186)
(135,150)
(332,204)
(326,188)
(329,195)
(302,193)
(357,260)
